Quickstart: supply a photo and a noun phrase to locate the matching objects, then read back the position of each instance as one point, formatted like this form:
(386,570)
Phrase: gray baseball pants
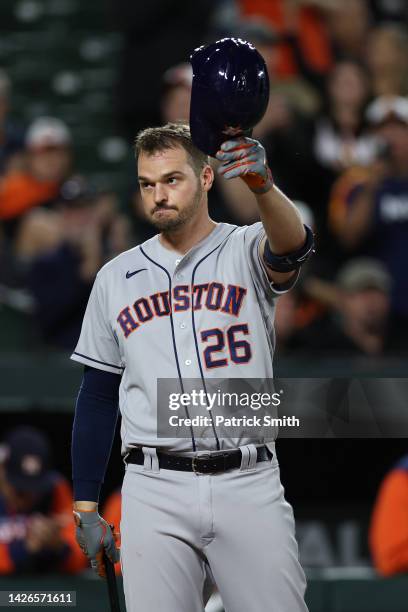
(175,525)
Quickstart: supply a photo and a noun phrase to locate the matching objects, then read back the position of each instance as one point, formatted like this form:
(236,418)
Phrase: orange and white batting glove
(246,158)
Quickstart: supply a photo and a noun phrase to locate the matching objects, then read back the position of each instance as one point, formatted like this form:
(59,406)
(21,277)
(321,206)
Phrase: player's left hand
(246,158)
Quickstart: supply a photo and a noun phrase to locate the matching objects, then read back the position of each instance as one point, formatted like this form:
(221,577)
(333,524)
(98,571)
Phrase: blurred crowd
(336,136)
(37,533)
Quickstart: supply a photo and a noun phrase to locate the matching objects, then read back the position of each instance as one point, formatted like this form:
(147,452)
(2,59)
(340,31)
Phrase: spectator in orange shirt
(37,532)
(301,19)
(48,145)
(388,536)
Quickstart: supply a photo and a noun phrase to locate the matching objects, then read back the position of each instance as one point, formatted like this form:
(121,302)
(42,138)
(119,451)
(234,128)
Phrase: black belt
(207,463)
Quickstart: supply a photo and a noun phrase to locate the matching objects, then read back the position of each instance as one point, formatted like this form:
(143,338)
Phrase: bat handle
(112,585)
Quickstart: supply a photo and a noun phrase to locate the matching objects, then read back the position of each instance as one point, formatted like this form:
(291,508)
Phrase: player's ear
(207,177)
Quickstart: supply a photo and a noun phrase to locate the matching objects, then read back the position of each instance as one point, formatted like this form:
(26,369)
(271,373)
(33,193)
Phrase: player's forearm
(281,220)
(92,436)
(246,158)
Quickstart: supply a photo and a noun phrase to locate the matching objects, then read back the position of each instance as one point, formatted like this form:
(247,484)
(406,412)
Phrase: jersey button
(182,325)
(188,362)
(177,261)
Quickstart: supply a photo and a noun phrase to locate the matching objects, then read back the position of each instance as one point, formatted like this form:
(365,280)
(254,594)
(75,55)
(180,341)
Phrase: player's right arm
(92,436)
(95,420)
(287,242)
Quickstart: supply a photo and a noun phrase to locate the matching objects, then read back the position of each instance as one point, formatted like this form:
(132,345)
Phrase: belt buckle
(199,457)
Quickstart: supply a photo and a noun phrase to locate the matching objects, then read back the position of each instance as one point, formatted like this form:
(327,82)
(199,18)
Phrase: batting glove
(246,158)
(95,537)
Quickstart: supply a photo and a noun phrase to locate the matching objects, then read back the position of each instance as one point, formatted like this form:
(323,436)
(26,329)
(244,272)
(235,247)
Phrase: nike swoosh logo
(130,274)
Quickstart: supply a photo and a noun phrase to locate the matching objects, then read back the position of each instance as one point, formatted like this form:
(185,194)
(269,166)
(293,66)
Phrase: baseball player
(195,301)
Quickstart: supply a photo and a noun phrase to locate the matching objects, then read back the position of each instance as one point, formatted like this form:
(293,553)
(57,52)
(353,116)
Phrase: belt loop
(151,461)
(244,459)
(253,457)
(249,458)
(271,448)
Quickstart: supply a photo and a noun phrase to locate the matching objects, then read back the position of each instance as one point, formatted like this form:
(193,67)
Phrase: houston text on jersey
(212,296)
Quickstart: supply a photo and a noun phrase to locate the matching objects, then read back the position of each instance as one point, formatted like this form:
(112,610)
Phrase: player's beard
(183,216)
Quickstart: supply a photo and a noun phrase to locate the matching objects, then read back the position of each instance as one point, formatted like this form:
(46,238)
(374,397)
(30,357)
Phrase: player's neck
(184,238)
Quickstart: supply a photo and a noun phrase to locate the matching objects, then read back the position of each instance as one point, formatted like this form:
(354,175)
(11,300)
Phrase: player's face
(172,194)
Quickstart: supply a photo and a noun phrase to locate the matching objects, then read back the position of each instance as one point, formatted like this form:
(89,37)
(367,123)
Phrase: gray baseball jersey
(156,314)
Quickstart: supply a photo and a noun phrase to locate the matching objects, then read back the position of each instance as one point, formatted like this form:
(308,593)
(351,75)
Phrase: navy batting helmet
(230,92)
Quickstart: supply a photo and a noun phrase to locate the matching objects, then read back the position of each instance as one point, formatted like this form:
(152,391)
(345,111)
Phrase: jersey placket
(182,319)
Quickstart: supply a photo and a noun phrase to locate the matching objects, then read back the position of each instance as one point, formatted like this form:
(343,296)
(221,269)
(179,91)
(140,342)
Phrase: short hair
(153,139)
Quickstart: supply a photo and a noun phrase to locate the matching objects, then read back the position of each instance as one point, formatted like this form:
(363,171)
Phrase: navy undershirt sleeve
(96,413)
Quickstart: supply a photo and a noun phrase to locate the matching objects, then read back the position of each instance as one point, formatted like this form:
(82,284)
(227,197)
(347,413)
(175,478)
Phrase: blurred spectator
(27,188)
(339,137)
(349,23)
(360,322)
(364,309)
(340,140)
(368,210)
(48,164)
(306,157)
(11,136)
(388,534)
(87,232)
(387,59)
(37,532)
(179,26)
(291,19)
(176,94)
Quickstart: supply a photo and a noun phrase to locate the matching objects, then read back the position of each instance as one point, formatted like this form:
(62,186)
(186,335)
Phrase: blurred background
(78,79)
